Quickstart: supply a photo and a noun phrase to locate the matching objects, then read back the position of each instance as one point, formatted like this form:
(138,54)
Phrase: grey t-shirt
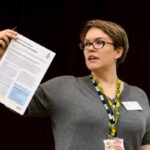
(79,119)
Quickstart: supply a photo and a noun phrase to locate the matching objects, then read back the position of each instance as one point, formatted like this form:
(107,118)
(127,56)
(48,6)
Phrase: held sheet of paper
(21,70)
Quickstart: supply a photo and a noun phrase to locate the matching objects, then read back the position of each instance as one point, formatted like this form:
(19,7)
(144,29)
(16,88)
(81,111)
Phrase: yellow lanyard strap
(111,108)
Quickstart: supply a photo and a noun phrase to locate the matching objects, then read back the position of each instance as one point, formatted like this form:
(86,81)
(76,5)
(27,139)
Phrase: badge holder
(113,143)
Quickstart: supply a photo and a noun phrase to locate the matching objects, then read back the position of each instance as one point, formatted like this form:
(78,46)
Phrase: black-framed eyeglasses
(97,44)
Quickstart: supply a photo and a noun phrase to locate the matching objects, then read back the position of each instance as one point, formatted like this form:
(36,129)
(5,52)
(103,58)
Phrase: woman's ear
(119,52)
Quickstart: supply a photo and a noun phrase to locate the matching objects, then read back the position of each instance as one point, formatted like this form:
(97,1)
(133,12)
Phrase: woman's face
(103,57)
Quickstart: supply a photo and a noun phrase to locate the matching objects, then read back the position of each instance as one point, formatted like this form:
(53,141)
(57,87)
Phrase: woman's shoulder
(134,88)
(63,80)
(134,91)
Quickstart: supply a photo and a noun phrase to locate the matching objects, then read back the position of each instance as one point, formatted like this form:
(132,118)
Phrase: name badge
(114,144)
(134,105)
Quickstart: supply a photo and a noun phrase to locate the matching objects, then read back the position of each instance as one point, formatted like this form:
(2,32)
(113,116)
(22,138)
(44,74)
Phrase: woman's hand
(5,36)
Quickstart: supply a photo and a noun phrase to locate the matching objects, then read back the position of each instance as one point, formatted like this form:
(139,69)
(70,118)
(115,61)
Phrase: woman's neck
(108,82)
(108,77)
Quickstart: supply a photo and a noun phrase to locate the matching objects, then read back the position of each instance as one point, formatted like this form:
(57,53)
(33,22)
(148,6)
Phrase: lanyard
(111,108)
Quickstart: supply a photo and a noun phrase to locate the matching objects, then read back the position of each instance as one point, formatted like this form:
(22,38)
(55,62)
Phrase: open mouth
(92,57)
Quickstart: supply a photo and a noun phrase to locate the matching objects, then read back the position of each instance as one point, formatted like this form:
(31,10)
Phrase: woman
(99,111)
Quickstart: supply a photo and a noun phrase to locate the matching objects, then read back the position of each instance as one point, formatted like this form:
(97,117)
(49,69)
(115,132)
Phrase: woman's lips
(92,57)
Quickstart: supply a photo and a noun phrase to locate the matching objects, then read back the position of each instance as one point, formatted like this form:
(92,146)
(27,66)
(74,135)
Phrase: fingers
(10,33)
(5,37)
(2,51)
(4,41)
(3,44)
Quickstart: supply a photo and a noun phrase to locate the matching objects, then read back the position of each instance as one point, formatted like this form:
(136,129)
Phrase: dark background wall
(56,25)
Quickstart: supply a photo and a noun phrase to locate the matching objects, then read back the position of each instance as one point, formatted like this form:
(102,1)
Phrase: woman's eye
(86,44)
(99,42)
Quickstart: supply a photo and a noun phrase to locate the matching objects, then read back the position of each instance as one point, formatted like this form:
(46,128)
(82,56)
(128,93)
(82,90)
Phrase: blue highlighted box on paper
(18,94)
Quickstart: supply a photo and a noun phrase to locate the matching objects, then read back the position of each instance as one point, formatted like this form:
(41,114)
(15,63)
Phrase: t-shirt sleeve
(47,96)
(37,106)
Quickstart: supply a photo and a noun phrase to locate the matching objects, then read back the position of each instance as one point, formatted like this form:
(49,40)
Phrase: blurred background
(56,24)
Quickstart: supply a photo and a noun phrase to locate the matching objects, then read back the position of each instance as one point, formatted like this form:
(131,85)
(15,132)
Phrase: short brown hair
(113,30)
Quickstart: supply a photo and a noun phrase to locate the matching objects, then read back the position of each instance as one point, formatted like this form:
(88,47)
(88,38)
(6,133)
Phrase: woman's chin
(92,67)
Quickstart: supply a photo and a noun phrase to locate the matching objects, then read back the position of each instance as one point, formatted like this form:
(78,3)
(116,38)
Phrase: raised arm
(5,36)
